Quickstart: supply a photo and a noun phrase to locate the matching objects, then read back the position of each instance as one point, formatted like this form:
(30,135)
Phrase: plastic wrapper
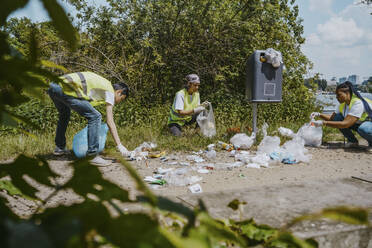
(195,158)
(244,157)
(195,189)
(261,159)
(242,140)
(211,154)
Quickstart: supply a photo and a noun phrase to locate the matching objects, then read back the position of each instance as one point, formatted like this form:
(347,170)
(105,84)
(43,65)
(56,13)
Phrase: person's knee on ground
(175,130)
(365,131)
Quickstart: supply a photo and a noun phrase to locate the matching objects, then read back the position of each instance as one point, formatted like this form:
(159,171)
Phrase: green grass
(42,143)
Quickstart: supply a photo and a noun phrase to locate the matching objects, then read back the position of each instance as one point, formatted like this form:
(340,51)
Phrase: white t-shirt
(356,110)
(100,95)
(179,101)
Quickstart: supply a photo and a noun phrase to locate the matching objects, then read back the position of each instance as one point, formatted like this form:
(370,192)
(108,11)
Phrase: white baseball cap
(192,78)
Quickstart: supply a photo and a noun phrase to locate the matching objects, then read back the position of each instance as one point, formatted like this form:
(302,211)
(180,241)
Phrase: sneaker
(99,161)
(369,149)
(58,151)
(351,145)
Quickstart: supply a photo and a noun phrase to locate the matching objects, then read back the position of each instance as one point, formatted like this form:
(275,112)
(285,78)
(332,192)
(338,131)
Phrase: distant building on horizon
(354,79)
(342,79)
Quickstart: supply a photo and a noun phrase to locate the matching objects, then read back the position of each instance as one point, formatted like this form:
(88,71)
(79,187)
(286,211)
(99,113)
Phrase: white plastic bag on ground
(312,135)
(268,144)
(206,122)
(296,148)
(242,141)
(261,159)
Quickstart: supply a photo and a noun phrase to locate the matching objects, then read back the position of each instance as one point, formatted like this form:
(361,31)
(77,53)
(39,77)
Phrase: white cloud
(321,5)
(339,31)
(313,40)
(342,45)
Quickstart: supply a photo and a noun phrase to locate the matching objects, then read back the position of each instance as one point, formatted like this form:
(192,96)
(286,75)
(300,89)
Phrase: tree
(18,73)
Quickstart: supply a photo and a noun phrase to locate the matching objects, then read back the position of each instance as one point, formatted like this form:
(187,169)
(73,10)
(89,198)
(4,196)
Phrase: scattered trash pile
(188,170)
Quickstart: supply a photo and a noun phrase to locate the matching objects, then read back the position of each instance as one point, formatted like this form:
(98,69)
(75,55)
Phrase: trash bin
(263,82)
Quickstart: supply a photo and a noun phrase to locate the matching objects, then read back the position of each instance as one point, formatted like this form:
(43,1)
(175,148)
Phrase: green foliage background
(152,45)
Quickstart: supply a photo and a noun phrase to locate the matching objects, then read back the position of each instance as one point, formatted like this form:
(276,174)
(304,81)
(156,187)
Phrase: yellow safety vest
(353,100)
(174,117)
(80,84)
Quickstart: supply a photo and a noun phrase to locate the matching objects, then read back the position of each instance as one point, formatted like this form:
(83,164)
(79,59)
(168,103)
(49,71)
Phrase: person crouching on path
(186,106)
(353,113)
(81,91)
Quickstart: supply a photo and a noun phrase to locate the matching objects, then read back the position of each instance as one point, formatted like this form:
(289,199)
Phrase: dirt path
(327,163)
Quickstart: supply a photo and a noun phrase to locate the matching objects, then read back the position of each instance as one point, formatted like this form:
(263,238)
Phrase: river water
(329,102)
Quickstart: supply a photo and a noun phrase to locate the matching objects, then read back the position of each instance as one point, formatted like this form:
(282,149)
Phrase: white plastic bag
(206,122)
(268,144)
(286,132)
(296,148)
(242,141)
(312,135)
(273,57)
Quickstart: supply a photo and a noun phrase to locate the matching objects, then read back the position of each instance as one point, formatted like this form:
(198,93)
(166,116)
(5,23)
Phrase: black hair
(349,87)
(122,86)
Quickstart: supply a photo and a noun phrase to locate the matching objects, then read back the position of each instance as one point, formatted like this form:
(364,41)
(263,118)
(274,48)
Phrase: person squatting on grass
(186,105)
(353,113)
(81,91)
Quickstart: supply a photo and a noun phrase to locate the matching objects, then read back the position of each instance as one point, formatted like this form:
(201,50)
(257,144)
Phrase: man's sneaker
(351,145)
(99,161)
(58,151)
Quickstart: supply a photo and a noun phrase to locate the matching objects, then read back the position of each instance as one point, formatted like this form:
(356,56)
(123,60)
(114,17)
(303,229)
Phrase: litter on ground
(184,170)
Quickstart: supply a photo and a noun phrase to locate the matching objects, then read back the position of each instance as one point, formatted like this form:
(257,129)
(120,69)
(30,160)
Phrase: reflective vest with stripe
(342,107)
(189,104)
(80,84)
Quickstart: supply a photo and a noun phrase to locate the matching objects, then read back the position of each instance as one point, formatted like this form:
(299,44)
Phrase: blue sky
(338,35)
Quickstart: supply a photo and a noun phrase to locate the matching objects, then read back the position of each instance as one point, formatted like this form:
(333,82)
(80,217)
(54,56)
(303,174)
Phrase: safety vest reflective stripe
(83,82)
(84,85)
(70,80)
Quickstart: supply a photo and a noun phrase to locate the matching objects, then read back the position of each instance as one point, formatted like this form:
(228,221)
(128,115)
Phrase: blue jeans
(364,130)
(64,104)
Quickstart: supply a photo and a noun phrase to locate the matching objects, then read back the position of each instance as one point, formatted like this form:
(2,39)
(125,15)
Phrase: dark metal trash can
(264,82)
